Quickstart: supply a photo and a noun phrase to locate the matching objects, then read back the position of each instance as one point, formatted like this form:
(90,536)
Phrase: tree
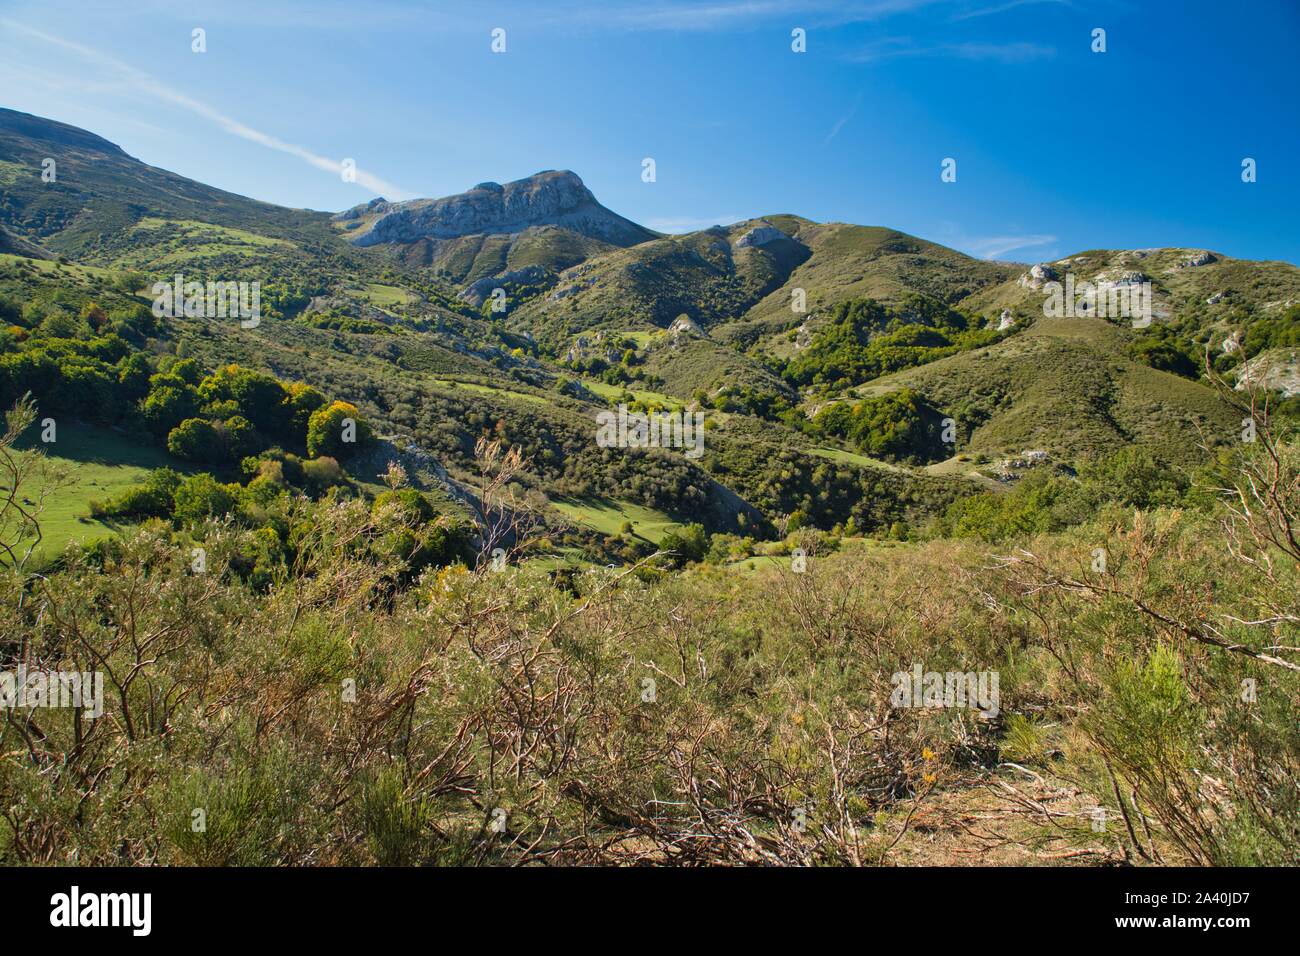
(129,283)
(195,440)
(1137,478)
(303,400)
(27,479)
(133,376)
(688,544)
(238,437)
(336,430)
(892,425)
(93,316)
(60,325)
(201,496)
(168,406)
(260,398)
(152,498)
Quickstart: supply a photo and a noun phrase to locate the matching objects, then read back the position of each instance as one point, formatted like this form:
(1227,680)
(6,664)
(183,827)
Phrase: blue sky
(1058,149)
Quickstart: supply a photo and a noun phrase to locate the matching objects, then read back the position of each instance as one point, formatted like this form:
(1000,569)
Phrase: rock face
(1036,277)
(547,198)
(1276,370)
(760,236)
(356,212)
(684,324)
(1201,258)
(1006,320)
(477,292)
(1120,277)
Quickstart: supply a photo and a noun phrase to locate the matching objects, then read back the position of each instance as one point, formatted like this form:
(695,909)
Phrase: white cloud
(897,47)
(995,247)
(1003,8)
(685,224)
(142,82)
(840,124)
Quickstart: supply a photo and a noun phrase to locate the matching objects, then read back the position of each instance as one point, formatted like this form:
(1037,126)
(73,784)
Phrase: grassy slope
(704,275)
(606,516)
(849,262)
(612,393)
(691,363)
(1179,289)
(1066,385)
(97,464)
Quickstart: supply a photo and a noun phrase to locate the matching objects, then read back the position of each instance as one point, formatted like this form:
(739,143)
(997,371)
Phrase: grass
(490,390)
(853,458)
(97,464)
(969,468)
(51,266)
(757,564)
(559,558)
(642,337)
(186,228)
(1067,386)
(607,515)
(387,296)
(612,393)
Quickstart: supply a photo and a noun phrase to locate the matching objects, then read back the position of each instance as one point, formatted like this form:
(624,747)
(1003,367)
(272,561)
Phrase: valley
(390,475)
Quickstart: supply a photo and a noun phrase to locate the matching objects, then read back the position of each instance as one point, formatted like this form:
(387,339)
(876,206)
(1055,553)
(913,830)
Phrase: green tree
(336,430)
(168,406)
(195,440)
(201,496)
(688,544)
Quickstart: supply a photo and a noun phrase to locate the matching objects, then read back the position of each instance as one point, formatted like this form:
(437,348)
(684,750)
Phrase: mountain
(99,193)
(740,281)
(1071,387)
(548,198)
(390,305)
(524,231)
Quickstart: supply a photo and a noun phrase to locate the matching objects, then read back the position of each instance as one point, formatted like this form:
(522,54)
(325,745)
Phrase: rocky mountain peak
(550,197)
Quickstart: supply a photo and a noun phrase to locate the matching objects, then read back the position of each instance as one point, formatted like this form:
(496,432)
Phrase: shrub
(201,496)
(195,440)
(330,427)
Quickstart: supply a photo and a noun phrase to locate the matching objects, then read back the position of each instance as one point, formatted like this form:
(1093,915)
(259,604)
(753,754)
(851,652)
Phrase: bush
(153,498)
(195,440)
(201,496)
(336,430)
(689,544)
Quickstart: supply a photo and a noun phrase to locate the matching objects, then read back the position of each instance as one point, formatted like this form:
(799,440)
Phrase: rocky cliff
(556,198)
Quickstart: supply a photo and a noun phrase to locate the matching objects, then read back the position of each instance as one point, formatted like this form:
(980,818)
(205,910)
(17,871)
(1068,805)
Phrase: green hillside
(698,321)
(1068,386)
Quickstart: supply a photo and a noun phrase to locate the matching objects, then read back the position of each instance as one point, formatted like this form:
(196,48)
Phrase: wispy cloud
(842,122)
(995,247)
(986,11)
(728,14)
(143,82)
(685,224)
(898,47)
(891,48)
